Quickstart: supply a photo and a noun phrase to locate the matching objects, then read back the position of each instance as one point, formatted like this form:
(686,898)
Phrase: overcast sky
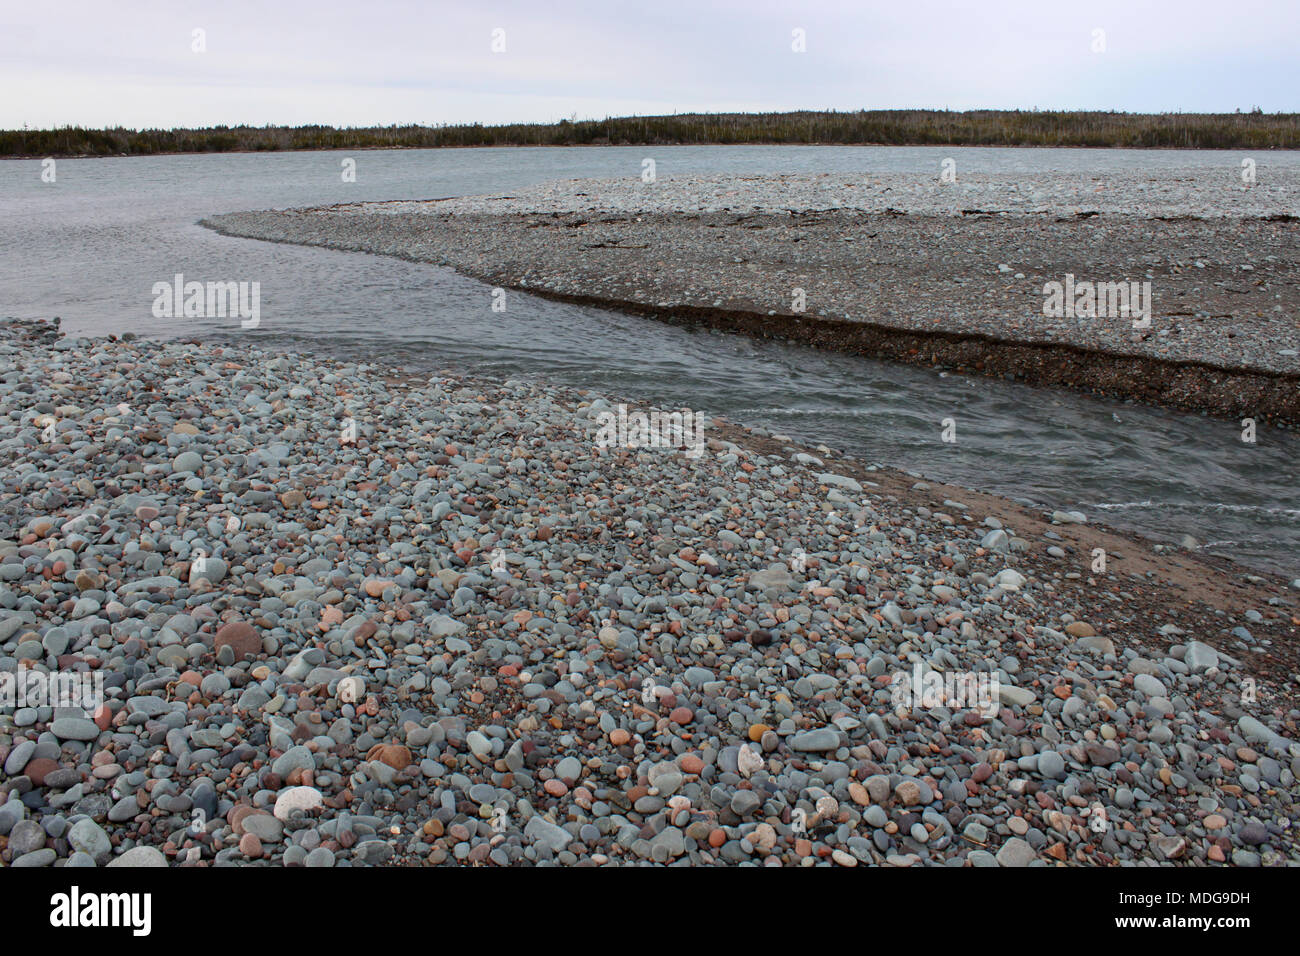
(133,63)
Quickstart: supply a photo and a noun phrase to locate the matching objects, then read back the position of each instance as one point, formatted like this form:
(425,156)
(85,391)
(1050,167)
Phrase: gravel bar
(350,617)
(951,276)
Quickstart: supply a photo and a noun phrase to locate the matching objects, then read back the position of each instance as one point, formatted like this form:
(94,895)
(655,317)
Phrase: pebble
(1016,852)
(296,798)
(1051,764)
(140,856)
(242,638)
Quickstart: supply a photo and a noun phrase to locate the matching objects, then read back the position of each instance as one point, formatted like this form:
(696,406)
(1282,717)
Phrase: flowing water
(90,246)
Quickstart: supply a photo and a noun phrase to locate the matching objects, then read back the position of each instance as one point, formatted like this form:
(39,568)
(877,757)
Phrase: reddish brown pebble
(237,816)
(395,755)
(37,769)
(242,638)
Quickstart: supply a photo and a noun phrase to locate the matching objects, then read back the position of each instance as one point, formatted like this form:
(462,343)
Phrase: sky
(141,63)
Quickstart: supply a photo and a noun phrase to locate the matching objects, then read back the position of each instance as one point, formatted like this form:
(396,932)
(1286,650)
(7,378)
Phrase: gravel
(1193,191)
(568,654)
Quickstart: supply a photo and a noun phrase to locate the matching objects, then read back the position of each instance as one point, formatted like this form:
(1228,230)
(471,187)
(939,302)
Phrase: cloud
(390,61)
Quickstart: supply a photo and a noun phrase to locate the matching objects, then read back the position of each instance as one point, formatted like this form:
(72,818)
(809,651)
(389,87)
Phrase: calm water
(90,246)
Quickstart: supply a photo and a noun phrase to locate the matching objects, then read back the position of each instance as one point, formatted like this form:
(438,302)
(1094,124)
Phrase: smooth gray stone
(816,741)
(27,836)
(140,856)
(295,758)
(87,836)
(44,857)
(19,757)
(1016,852)
(74,728)
(541,831)
(1051,764)
(320,857)
(10,813)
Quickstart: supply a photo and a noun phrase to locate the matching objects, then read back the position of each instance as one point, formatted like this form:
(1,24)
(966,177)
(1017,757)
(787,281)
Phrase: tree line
(1252,130)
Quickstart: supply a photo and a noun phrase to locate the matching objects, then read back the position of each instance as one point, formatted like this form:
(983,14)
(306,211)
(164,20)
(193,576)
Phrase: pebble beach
(348,616)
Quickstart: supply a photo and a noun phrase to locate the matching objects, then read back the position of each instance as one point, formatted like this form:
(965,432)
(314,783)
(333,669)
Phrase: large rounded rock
(1016,852)
(140,856)
(39,769)
(1051,764)
(188,461)
(298,757)
(26,837)
(88,837)
(296,798)
(395,755)
(213,569)
(74,728)
(241,637)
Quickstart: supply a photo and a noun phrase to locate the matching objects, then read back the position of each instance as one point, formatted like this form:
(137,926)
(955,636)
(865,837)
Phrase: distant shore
(32,157)
(1000,128)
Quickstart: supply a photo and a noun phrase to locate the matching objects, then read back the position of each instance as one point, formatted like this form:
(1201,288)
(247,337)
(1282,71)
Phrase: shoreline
(1180,386)
(520,684)
(335,149)
(908,272)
